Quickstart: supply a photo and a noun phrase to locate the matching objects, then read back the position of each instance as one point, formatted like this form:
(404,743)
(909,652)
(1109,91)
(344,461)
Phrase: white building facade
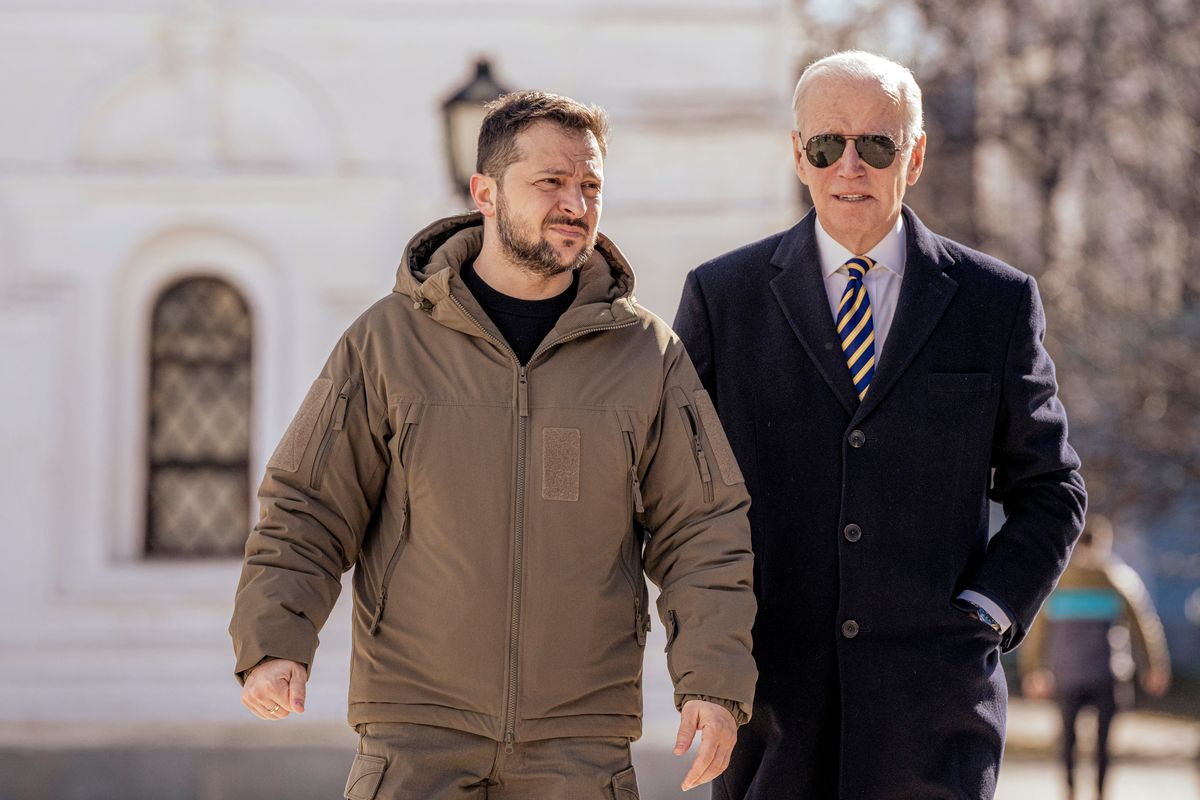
(282,152)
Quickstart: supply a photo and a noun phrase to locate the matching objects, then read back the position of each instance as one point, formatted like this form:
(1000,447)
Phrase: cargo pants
(402,761)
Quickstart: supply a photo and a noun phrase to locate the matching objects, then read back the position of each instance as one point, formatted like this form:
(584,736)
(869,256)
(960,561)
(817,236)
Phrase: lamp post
(462,114)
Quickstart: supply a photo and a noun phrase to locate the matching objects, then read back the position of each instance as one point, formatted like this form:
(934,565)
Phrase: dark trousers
(400,761)
(1101,697)
(786,752)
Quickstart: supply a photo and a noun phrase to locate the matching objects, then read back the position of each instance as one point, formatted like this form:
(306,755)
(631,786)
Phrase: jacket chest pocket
(632,457)
(408,414)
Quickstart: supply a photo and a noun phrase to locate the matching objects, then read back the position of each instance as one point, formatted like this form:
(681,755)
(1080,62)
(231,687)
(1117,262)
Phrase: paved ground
(1158,757)
(1157,760)
(1021,780)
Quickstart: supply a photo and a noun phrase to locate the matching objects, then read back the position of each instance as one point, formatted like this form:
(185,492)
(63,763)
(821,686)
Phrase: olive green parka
(500,516)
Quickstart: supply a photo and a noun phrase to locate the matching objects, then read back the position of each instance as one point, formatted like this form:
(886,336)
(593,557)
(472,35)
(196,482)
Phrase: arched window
(198,487)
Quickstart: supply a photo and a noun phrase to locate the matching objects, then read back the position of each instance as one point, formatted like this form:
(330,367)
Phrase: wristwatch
(984,616)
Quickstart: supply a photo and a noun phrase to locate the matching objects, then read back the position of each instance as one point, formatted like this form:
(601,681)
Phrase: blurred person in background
(502,449)
(1098,629)
(879,383)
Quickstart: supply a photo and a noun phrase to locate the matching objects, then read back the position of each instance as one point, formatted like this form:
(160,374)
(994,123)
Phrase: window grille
(198,487)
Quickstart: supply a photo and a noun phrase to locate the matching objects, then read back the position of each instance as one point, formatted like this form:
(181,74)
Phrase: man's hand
(275,688)
(718,733)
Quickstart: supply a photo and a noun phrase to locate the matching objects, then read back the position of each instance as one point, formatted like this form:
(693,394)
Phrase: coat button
(857,438)
(852,532)
(849,629)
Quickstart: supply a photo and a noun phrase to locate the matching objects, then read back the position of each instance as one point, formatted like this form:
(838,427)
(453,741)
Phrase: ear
(483,192)
(916,161)
(799,159)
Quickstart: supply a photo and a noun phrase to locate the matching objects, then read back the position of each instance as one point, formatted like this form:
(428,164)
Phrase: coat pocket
(727,464)
(631,562)
(390,568)
(624,785)
(631,567)
(410,416)
(337,422)
(632,456)
(692,424)
(365,776)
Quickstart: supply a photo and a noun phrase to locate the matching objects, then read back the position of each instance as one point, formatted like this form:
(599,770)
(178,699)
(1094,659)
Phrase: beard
(537,255)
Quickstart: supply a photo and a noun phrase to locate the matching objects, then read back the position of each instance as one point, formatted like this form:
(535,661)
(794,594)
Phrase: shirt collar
(890,253)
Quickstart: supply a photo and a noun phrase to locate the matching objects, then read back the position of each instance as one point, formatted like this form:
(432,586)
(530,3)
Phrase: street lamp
(463,114)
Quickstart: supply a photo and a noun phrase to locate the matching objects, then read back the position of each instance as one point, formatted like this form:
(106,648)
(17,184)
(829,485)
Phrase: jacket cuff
(250,656)
(740,715)
(990,605)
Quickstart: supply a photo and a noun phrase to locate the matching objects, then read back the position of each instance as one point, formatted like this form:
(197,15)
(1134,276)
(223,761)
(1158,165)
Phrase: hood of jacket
(429,274)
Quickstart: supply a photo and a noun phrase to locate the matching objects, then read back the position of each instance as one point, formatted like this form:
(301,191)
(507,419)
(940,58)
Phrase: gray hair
(856,65)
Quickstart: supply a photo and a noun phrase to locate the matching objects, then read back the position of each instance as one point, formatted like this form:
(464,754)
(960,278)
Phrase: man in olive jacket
(501,447)
(878,383)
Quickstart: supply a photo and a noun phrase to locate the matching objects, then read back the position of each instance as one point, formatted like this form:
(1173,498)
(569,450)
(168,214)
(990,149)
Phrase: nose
(571,200)
(850,165)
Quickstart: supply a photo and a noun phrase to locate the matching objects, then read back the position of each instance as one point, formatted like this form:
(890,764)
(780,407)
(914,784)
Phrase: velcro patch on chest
(290,452)
(560,464)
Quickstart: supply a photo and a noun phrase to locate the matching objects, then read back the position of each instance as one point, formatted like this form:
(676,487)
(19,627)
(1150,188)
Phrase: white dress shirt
(883,287)
(882,282)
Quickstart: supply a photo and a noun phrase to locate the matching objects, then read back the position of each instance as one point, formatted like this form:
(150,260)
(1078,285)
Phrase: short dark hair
(512,113)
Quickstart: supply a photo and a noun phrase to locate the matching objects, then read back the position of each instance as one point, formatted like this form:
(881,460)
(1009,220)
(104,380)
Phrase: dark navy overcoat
(869,518)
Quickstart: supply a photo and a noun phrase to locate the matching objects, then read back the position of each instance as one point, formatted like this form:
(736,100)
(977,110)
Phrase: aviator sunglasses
(875,149)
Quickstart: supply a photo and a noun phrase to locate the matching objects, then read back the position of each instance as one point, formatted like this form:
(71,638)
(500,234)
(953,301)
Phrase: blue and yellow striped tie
(855,328)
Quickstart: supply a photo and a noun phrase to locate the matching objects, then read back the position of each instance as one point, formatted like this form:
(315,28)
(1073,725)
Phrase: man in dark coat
(879,383)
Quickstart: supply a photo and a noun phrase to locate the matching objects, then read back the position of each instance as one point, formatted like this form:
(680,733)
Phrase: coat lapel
(800,292)
(924,295)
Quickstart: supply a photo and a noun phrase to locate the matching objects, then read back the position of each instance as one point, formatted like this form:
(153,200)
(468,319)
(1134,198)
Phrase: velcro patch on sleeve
(726,461)
(560,464)
(290,452)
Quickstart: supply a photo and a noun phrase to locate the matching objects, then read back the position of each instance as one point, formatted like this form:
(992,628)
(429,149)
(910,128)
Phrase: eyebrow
(557,171)
(894,135)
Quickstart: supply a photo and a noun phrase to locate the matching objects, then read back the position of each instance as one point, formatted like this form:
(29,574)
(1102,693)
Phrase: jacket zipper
(641,621)
(672,635)
(510,700)
(630,572)
(394,558)
(337,423)
(635,485)
(689,418)
(510,716)
(518,560)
